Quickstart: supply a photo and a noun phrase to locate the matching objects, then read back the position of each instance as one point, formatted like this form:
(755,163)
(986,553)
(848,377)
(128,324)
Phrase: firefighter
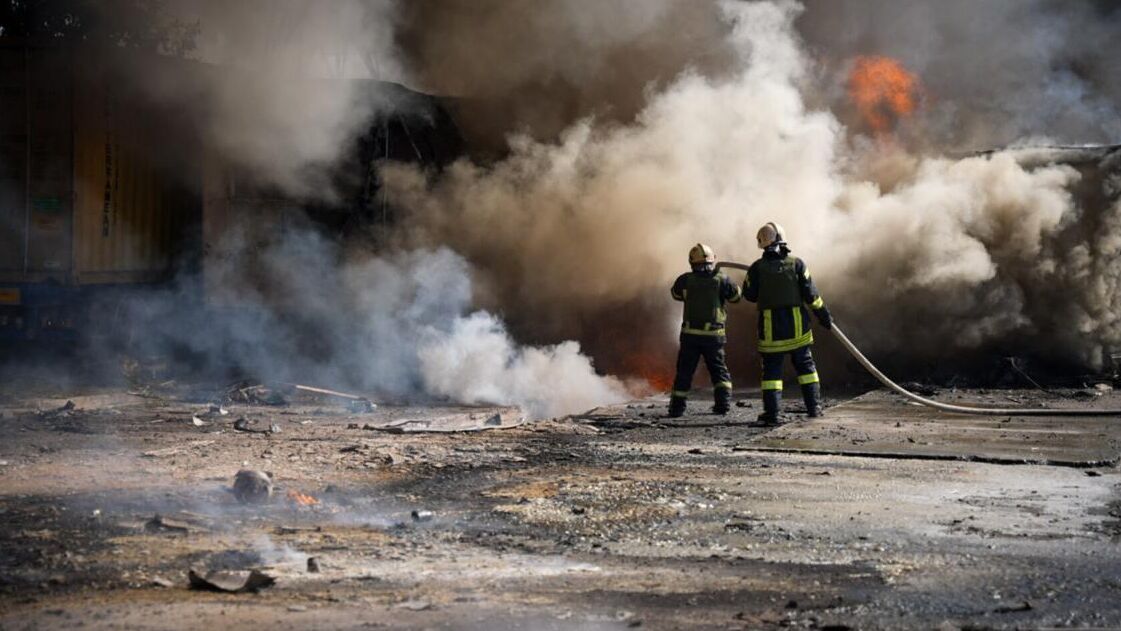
(782,287)
(704,292)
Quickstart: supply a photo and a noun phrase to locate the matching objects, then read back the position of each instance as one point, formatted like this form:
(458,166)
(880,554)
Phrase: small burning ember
(300,499)
(883,91)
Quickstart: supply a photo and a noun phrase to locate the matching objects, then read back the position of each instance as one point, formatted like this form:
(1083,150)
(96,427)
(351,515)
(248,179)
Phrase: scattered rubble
(669,525)
(1022,606)
(415,605)
(255,394)
(172,451)
(231,582)
(355,403)
(243,424)
(920,389)
(501,418)
(252,487)
(62,410)
(162,524)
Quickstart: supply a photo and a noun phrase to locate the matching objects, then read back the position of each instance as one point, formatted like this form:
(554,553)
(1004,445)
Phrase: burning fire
(655,370)
(301,499)
(883,90)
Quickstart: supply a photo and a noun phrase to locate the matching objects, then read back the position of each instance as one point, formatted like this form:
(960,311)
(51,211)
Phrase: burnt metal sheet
(476,420)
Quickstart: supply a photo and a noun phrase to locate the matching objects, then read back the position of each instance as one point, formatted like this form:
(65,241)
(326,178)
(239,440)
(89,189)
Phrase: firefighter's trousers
(803,361)
(693,348)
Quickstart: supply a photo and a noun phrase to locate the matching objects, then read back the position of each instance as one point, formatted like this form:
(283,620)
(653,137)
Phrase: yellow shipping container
(86,197)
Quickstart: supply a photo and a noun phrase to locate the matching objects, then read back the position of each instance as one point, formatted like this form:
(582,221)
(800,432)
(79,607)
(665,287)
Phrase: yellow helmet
(701,253)
(770,234)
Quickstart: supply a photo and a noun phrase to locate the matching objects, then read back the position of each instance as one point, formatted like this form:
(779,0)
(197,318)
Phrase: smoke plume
(274,93)
(632,130)
(538,67)
(282,86)
(920,254)
(398,326)
(995,73)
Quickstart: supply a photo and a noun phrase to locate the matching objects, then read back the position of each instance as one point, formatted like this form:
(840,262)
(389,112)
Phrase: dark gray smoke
(994,73)
(537,67)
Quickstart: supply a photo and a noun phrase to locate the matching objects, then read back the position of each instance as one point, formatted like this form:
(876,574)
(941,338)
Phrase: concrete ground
(616,519)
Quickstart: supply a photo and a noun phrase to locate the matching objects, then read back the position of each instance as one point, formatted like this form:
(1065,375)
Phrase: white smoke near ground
(399,326)
(414,312)
(949,255)
(478,362)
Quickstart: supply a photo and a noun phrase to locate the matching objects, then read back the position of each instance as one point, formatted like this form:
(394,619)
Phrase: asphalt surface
(619,518)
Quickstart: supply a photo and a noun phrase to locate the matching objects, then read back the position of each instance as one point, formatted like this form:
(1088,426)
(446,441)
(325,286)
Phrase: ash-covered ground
(878,516)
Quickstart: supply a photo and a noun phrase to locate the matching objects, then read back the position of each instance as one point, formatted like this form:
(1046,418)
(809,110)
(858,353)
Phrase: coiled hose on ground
(960,409)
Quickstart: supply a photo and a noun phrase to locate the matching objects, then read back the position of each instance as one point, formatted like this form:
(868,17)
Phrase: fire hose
(960,409)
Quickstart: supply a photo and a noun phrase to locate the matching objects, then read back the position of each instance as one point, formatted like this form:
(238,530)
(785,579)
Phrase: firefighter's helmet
(701,254)
(770,234)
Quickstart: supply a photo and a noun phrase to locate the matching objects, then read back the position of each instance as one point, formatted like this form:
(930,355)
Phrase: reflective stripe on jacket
(782,287)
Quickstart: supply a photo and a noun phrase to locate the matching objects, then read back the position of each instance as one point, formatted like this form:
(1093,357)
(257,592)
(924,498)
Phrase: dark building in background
(103,192)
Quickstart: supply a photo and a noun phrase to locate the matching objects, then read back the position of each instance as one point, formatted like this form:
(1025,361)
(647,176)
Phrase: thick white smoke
(398,325)
(949,254)
(478,362)
(416,328)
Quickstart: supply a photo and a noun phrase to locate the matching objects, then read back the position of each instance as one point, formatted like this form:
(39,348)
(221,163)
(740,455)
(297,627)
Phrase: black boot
(722,401)
(676,406)
(772,400)
(811,394)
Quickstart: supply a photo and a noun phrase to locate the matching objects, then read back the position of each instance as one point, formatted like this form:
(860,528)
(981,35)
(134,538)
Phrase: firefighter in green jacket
(781,285)
(704,292)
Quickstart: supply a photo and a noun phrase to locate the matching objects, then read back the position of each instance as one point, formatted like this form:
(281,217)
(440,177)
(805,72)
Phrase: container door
(49,178)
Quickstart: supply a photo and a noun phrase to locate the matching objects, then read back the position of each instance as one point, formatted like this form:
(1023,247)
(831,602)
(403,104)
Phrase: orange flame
(301,499)
(655,370)
(883,90)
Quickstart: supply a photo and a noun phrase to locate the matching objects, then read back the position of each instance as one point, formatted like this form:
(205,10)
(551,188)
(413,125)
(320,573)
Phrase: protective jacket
(782,287)
(704,294)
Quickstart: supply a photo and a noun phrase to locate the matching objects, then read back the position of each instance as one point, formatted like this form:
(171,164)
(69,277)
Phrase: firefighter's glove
(824,317)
